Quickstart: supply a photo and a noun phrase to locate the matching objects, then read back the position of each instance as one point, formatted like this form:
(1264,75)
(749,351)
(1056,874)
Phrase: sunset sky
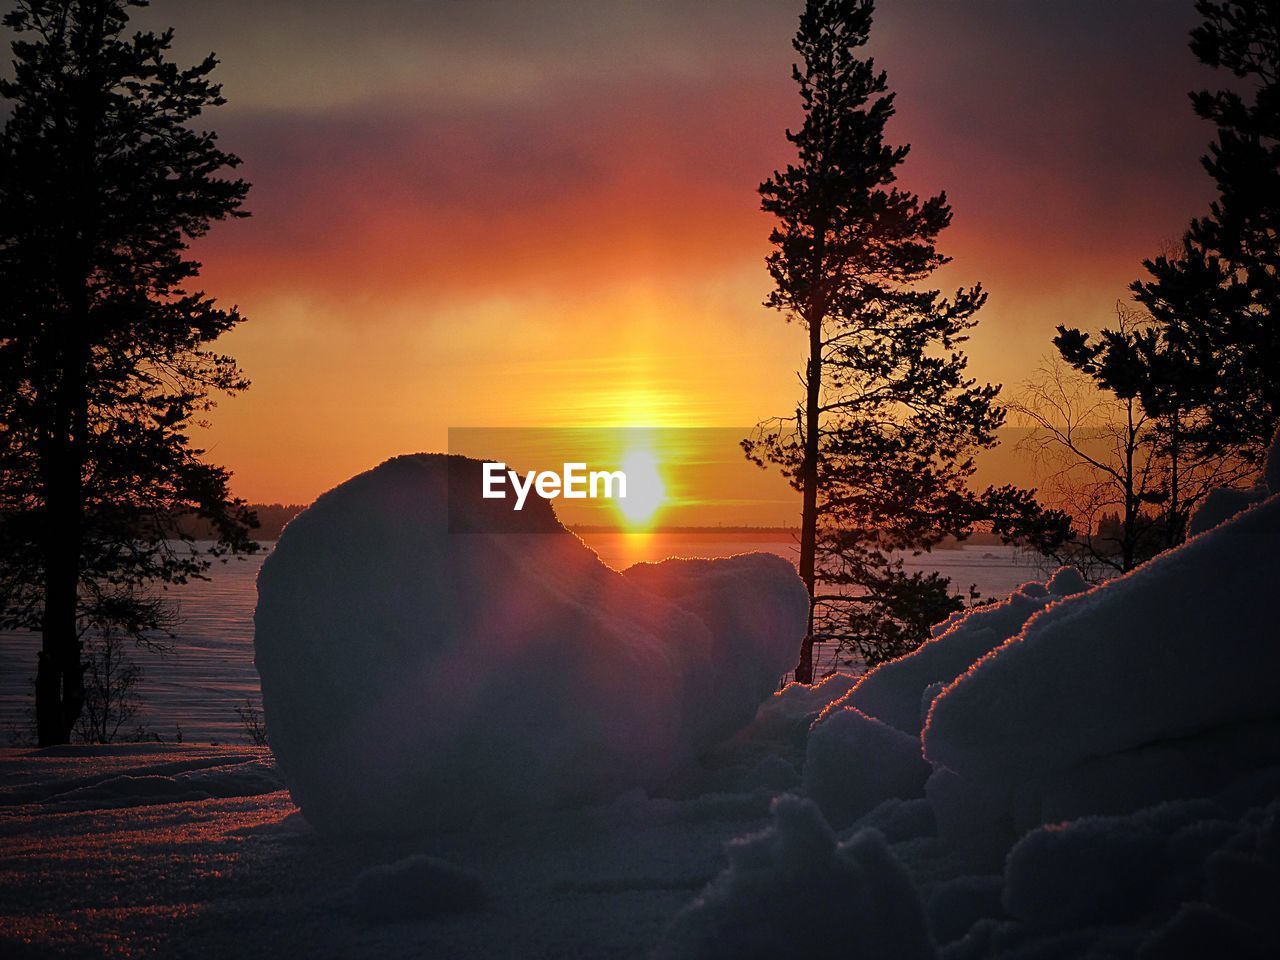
(544,214)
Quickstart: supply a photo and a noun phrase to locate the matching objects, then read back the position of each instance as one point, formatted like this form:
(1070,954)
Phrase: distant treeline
(271,520)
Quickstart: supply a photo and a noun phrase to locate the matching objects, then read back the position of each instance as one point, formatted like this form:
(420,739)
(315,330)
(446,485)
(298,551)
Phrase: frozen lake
(198,686)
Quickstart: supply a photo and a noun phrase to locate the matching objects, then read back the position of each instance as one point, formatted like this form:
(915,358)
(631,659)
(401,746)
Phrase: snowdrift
(1060,702)
(893,692)
(1070,772)
(430,658)
(887,761)
(1184,646)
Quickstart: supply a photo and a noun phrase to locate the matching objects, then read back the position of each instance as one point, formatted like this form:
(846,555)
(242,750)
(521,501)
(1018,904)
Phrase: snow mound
(956,905)
(1178,647)
(802,700)
(1221,505)
(1174,881)
(1066,582)
(1224,503)
(793,891)
(974,820)
(901,820)
(855,762)
(893,691)
(782,722)
(1084,873)
(747,603)
(430,658)
(416,888)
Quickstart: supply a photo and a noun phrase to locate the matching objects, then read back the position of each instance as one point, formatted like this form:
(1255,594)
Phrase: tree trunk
(815,314)
(59,673)
(1129,525)
(1173,534)
(809,484)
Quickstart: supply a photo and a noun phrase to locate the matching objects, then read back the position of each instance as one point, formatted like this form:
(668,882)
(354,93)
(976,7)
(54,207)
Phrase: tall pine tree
(1216,302)
(880,446)
(104,349)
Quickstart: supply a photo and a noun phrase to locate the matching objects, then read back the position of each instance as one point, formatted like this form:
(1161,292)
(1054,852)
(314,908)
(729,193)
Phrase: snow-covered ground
(1073,773)
(165,851)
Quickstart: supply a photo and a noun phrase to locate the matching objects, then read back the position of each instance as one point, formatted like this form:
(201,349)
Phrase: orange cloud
(535,228)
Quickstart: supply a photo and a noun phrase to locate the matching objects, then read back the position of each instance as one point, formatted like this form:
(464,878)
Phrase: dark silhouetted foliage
(881,446)
(105,362)
(1215,303)
(1197,373)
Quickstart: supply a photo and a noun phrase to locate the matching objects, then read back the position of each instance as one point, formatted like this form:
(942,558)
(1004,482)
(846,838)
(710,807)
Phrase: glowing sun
(645,489)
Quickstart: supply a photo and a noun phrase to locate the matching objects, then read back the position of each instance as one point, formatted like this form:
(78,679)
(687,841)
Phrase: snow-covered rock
(749,605)
(793,891)
(429,657)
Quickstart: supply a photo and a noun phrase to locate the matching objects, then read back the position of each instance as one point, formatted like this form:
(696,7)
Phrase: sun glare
(645,489)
